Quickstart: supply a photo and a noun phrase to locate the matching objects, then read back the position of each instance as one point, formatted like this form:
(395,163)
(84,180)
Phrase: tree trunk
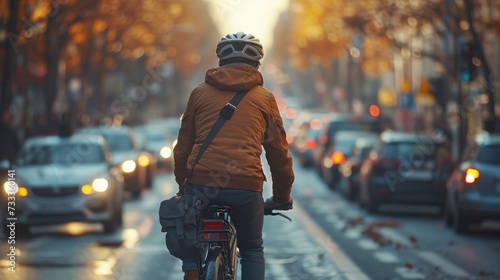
(52,61)
(489,124)
(6,94)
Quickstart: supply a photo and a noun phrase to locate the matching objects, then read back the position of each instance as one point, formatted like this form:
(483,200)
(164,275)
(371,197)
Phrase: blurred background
(139,59)
(386,103)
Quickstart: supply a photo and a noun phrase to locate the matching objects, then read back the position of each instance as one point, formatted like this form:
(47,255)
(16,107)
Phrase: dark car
(340,122)
(341,147)
(305,132)
(137,166)
(474,187)
(349,170)
(405,168)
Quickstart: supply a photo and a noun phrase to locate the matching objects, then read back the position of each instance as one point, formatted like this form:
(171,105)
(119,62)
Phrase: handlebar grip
(284,207)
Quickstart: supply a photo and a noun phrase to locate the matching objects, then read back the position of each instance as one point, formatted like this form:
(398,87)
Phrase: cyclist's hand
(271,204)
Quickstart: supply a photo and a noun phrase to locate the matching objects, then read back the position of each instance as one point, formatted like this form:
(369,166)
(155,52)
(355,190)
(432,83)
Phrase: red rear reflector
(471,175)
(209,225)
(216,236)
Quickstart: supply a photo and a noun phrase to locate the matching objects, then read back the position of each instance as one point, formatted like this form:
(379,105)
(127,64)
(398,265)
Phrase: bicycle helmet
(239,46)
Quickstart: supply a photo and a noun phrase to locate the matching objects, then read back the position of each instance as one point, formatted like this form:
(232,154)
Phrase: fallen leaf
(413,239)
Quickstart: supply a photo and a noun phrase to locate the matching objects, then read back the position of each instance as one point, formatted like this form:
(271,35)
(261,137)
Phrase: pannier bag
(179,220)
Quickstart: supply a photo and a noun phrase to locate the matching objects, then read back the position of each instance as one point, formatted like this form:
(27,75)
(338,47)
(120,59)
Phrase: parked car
(337,152)
(305,132)
(61,180)
(340,122)
(136,165)
(405,168)
(349,180)
(474,187)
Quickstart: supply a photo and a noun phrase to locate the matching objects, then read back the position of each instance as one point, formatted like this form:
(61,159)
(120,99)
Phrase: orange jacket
(233,158)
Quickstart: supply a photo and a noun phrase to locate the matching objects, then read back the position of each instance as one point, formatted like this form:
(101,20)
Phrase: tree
(324,30)
(92,37)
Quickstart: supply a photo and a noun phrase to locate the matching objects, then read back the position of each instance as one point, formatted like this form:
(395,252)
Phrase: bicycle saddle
(220,208)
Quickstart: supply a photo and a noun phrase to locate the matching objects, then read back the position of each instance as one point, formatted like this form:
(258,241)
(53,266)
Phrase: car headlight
(128,166)
(11,188)
(166,152)
(98,185)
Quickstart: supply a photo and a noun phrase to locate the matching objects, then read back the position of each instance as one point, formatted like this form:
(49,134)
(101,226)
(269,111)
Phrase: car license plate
(55,207)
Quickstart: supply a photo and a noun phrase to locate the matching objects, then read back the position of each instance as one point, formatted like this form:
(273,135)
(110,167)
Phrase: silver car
(473,191)
(61,180)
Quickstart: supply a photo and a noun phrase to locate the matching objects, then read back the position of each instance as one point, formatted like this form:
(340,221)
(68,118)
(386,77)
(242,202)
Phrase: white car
(60,180)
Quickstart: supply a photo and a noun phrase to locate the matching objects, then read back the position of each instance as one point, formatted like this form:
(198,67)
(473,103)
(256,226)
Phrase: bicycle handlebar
(284,207)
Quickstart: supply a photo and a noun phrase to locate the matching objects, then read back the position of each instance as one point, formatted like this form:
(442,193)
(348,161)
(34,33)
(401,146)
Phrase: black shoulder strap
(225,114)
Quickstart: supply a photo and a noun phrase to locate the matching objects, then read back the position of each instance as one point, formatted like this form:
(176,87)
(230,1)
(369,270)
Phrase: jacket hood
(234,78)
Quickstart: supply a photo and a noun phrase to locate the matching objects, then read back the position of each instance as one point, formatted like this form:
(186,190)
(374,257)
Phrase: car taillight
(471,175)
(338,157)
(311,144)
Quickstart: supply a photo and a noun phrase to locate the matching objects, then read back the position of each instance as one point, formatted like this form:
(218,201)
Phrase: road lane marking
(344,264)
(278,271)
(386,257)
(395,236)
(368,244)
(353,233)
(407,273)
(443,264)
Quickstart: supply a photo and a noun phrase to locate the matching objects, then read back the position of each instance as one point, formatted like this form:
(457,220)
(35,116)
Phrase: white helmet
(239,45)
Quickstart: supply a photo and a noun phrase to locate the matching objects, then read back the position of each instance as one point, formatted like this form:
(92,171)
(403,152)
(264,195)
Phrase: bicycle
(219,258)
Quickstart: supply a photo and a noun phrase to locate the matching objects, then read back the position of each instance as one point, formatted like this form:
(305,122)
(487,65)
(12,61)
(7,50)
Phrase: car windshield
(172,132)
(119,142)
(153,136)
(489,154)
(408,150)
(66,154)
(352,126)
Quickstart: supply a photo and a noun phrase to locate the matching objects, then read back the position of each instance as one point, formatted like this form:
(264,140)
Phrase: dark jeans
(248,220)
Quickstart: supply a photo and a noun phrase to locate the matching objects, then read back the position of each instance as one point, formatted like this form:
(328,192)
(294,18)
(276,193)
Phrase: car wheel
(114,221)
(119,215)
(22,230)
(372,206)
(136,192)
(448,214)
(460,222)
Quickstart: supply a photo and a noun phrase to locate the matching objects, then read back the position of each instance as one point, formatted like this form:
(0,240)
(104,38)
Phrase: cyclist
(230,170)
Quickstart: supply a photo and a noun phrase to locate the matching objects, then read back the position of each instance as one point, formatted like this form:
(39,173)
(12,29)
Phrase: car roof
(101,130)
(393,137)
(334,117)
(73,139)
(486,138)
(350,133)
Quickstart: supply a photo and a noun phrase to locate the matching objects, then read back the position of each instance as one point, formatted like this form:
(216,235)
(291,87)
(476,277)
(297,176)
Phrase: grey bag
(179,220)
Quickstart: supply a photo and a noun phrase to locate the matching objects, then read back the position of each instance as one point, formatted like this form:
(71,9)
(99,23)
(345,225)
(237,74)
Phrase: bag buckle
(227,111)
